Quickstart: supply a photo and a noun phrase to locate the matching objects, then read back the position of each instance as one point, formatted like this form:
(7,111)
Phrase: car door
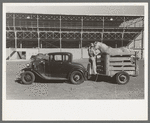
(56,65)
(59,66)
(65,66)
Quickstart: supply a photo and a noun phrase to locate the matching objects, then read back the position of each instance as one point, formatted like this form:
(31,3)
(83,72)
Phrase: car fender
(35,72)
(27,69)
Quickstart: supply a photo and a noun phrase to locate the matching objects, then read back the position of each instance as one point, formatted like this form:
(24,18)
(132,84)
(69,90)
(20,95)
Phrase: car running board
(53,78)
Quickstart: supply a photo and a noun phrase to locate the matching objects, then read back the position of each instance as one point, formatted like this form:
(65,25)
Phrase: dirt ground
(104,88)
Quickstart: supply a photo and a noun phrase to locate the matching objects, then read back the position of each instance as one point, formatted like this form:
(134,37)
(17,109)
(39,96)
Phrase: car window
(51,58)
(65,57)
(58,57)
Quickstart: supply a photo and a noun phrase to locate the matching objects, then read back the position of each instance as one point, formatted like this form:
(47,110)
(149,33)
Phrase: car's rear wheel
(76,77)
(28,77)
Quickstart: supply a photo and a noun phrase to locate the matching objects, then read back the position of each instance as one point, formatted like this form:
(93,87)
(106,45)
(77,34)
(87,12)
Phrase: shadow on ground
(40,80)
(100,78)
(94,78)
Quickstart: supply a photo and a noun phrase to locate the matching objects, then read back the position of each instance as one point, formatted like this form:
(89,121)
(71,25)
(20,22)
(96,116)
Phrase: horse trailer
(120,67)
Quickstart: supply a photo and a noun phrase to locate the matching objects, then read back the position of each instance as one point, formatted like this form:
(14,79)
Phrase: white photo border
(75,110)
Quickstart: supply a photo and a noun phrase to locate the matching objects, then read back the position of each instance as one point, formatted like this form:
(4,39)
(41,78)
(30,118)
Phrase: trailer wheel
(122,78)
(89,71)
(28,77)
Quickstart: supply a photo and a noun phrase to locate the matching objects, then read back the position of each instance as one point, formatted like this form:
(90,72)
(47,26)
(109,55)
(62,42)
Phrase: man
(92,57)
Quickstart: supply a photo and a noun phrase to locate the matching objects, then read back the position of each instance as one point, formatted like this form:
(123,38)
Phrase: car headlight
(28,64)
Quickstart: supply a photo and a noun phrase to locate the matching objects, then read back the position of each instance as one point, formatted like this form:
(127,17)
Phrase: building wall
(30,51)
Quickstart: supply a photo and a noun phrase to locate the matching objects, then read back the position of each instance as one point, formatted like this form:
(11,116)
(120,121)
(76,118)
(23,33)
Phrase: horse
(111,51)
(103,48)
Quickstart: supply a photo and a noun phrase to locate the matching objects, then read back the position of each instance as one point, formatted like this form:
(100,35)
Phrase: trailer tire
(122,78)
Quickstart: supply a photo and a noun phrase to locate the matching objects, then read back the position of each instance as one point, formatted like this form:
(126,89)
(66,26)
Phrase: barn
(29,34)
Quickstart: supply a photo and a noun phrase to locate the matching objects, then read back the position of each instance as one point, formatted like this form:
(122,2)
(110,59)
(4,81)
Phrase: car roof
(60,53)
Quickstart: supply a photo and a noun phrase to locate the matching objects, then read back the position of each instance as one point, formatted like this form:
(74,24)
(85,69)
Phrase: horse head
(96,45)
(100,46)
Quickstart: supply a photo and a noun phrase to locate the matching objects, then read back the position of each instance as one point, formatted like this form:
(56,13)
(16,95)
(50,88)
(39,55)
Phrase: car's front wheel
(28,77)
(76,77)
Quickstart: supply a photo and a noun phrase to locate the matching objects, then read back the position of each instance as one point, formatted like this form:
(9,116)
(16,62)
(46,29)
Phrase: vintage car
(54,66)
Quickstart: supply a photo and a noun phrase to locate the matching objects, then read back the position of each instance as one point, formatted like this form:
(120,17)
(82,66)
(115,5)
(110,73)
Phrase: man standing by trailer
(92,57)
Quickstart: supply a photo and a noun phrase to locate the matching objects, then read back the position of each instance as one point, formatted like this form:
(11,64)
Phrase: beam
(53,40)
(142,46)
(15,31)
(38,32)
(72,31)
(21,44)
(81,36)
(102,31)
(83,28)
(60,35)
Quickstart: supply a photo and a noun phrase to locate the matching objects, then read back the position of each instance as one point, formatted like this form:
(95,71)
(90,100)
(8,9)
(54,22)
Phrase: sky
(76,10)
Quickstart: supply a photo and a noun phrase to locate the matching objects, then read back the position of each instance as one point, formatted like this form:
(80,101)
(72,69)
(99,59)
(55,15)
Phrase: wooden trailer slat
(120,58)
(100,60)
(121,68)
(121,64)
(100,65)
(110,65)
(100,68)
(124,54)
(115,72)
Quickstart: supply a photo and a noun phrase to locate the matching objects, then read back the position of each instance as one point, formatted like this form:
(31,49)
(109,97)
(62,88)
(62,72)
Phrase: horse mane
(110,50)
(102,44)
(110,46)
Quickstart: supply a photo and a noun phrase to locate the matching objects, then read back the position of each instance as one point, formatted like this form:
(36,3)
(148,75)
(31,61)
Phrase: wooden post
(15,30)
(135,62)
(79,44)
(60,35)
(41,44)
(81,37)
(122,38)
(38,32)
(142,45)
(15,39)
(136,66)
(21,44)
(134,44)
(116,45)
(107,64)
(124,20)
(9,53)
(102,33)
